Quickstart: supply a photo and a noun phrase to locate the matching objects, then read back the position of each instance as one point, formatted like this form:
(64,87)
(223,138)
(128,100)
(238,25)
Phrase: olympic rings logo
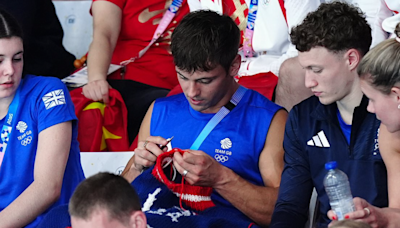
(221,158)
(26,141)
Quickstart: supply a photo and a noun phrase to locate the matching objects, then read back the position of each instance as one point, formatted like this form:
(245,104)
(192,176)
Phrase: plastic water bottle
(337,188)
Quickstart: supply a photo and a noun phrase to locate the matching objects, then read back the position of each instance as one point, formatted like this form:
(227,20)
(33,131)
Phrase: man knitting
(230,138)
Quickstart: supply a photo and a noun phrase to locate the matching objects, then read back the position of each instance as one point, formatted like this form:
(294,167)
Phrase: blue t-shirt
(236,142)
(346,128)
(43,102)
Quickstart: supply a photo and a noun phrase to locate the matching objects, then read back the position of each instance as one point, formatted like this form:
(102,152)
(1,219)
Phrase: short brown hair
(108,191)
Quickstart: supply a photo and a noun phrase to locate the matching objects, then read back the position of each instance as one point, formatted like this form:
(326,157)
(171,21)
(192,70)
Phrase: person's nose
(8,68)
(193,90)
(310,81)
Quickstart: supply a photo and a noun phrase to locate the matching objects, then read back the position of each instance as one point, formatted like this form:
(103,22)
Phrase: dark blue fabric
(304,164)
(346,128)
(166,212)
(58,217)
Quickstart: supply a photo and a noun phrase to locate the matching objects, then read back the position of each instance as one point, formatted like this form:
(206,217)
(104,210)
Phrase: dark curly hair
(203,40)
(336,26)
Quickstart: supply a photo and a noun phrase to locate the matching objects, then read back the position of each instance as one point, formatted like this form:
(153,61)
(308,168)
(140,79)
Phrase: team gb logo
(226,143)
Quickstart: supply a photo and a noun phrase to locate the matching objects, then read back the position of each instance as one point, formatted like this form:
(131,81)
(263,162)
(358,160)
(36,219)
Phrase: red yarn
(196,197)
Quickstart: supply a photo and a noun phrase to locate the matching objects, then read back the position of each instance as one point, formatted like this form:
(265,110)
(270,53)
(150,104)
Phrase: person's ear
(353,58)
(138,220)
(395,91)
(235,66)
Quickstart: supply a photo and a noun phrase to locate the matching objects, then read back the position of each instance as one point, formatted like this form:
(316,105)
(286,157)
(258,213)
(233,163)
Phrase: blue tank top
(236,142)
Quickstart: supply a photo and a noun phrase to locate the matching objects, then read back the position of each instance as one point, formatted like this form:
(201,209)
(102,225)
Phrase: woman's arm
(51,158)
(106,27)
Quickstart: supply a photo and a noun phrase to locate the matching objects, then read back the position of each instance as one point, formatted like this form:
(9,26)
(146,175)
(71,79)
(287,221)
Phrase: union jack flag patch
(54,98)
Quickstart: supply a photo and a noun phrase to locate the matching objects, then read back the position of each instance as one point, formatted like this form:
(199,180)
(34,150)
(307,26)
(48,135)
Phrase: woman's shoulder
(39,83)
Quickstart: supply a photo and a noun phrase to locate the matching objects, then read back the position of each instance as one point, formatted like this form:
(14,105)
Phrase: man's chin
(198,108)
(326,101)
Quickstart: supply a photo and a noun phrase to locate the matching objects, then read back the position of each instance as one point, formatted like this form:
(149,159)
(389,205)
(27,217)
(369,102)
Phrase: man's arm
(144,157)
(389,147)
(296,186)
(51,159)
(257,202)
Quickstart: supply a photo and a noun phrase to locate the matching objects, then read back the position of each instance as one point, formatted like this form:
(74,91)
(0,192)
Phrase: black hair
(9,26)
(204,39)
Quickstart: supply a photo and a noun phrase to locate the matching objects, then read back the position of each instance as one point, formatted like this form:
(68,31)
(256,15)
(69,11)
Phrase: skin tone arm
(105,35)
(51,158)
(389,146)
(143,158)
(257,202)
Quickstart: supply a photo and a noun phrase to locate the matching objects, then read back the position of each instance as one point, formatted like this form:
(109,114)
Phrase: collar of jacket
(328,112)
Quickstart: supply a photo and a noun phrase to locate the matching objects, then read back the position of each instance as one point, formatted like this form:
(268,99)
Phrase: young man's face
(327,74)
(384,106)
(207,92)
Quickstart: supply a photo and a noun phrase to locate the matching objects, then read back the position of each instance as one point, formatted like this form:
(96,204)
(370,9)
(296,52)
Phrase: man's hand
(97,90)
(201,169)
(147,152)
(364,212)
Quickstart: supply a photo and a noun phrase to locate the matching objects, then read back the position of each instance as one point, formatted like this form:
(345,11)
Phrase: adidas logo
(319,140)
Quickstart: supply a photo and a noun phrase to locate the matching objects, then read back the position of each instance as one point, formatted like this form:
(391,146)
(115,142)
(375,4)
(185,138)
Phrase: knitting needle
(168,141)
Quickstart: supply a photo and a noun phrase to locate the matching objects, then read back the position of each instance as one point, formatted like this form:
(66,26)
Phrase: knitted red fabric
(196,197)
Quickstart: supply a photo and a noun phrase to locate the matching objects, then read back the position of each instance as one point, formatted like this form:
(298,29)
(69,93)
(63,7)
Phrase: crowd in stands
(231,117)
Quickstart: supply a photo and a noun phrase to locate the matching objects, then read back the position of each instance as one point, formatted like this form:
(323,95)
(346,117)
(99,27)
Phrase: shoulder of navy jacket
(360,112)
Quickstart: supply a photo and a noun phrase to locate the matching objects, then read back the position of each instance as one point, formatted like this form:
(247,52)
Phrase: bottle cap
(330,165)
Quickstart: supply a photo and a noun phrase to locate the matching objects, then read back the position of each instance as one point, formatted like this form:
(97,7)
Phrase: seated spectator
(44,53)
(239,160)
(39,155)
(106,200)
(291,89)
(334,124)
(380,78)
(116,38)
